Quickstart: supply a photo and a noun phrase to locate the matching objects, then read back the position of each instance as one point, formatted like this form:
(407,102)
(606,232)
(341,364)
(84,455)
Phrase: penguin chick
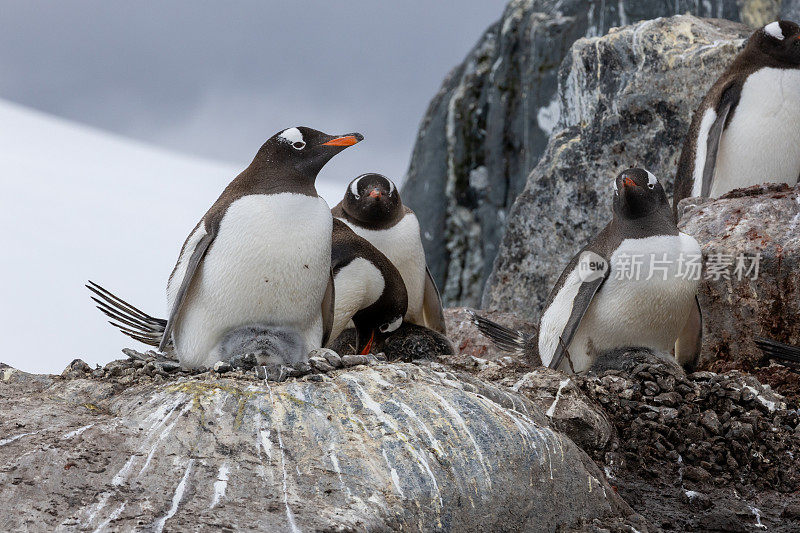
(373,209)
(261,256)
(747,128)
(369,289)
(626,288)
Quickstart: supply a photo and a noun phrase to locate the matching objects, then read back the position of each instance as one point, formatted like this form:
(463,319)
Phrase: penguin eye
(298,145)
(651,186)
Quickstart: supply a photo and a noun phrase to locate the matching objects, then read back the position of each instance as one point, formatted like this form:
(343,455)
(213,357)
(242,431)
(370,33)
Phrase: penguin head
(780,40)
(371,329)
(373,199)
(303,150)
(637,193)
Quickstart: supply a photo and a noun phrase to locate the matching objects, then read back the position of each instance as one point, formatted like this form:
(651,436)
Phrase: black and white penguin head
(373,200)
(638,193)
(780,40)
(304,149)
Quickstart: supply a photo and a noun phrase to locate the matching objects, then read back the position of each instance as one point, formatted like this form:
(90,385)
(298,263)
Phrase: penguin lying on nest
(255,272)
(603,301)
(746,130)
(369,290)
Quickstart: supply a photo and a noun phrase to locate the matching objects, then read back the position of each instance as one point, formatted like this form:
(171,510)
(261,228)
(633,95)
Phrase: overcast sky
(217,78)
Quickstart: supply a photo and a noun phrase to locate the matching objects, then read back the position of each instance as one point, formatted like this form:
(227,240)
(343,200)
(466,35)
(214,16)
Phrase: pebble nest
(151,367)
(713,428)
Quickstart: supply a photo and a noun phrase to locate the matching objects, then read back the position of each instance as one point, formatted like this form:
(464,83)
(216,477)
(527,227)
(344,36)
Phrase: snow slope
(77,204)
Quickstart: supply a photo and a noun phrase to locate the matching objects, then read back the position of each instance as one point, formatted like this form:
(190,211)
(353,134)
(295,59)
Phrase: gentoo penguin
(631,286)
(258,261)
(373,209)
(369,289)
(746,130)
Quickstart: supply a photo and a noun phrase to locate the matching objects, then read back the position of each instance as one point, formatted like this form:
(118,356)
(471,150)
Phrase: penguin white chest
(269,264)
(762,141)
(402,245)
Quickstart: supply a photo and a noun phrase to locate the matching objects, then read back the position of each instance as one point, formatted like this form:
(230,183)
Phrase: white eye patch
(293,137)
(651,180)
(773,29)
(614,184)
(388,328)
(391,186)
(354,187)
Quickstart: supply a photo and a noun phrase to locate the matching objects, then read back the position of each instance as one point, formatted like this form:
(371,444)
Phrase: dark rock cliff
(489,125)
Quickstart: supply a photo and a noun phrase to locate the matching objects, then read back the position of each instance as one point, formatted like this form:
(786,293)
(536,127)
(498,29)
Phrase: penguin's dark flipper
(783,353)
(504,338)
(328,308)
(727,102)
(432,305)
(580,304)
(130,320)
(200,249)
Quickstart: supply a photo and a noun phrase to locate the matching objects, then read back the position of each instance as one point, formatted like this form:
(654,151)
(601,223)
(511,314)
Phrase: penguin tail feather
(784,353)
(130,320)
(506,339)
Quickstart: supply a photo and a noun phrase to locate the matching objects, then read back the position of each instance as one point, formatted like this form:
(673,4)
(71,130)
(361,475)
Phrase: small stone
(221,367)
(651,388)
(302,368)
(126,380)
(696,473)
(710,421)
(320,363)
(246,361)
(354,359)
(77,368)
(168,366)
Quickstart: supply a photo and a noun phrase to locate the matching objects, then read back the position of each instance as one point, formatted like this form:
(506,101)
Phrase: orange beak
(375,193)
(368,347)
(347,140)
(627,182)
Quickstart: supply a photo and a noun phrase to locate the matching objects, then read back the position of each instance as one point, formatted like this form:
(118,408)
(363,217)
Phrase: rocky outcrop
(750,240)
(490,122)
(625,99)
(386,447)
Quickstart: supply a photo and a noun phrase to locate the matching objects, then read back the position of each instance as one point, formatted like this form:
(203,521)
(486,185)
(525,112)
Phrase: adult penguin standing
(631,286)
(747,128)
(256,265)
(372,208)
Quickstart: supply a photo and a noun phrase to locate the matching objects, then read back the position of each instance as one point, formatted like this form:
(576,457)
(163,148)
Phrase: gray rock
(381,448)
(626,99)
(562,400)
(761,220)
(221,367)
(489,124)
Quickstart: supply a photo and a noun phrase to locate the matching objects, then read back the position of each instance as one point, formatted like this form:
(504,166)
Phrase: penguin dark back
(371,200)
